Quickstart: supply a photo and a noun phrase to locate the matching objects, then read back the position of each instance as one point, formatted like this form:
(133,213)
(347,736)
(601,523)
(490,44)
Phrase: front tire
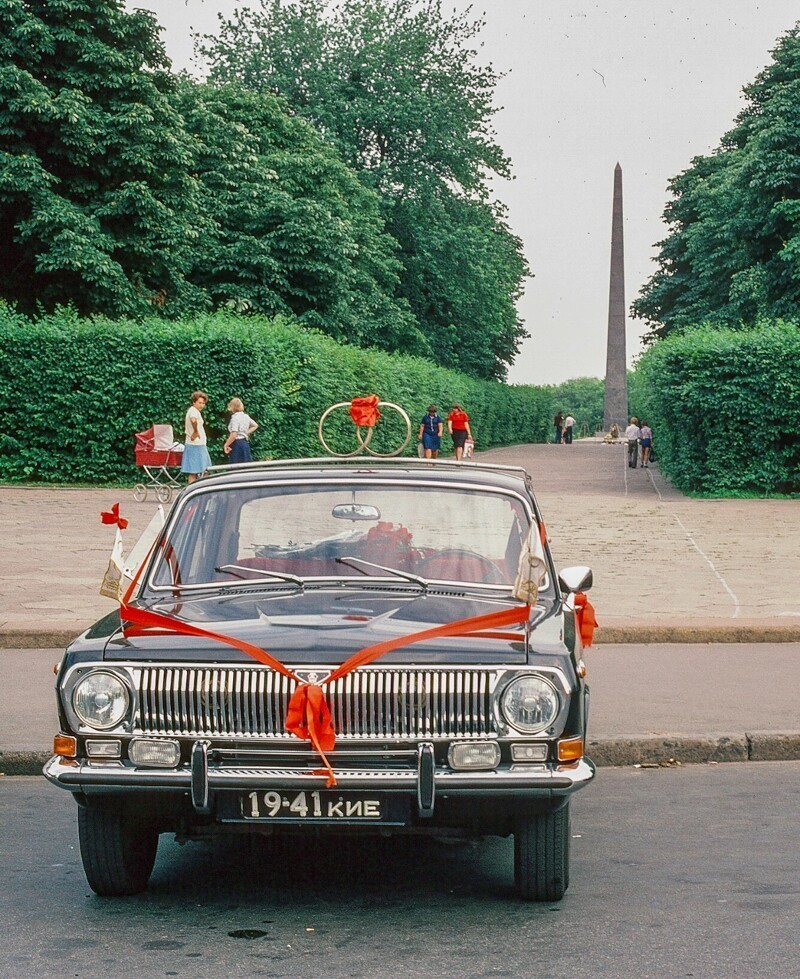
(541,855)
(117,852)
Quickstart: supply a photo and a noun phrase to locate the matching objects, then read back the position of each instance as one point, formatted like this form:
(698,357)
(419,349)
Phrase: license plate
(313,806)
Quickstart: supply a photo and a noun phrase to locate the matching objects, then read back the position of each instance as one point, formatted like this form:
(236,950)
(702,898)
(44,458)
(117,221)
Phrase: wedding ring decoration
(365,414)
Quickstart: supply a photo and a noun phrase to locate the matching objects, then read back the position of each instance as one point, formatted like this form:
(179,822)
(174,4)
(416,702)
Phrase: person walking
(195,453)
(632,435)
(647,443)
(569,424)
(558,422)
(241,427)
(458,427)
(430,433)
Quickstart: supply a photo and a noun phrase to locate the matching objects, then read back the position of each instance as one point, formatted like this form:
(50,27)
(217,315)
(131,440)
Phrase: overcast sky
(646,83)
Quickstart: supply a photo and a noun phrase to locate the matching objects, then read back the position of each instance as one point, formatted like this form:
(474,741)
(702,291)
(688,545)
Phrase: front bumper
(209,772)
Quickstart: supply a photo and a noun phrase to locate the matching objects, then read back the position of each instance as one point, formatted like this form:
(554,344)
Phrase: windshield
(267,533)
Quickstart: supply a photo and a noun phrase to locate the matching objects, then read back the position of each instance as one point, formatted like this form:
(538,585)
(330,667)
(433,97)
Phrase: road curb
(651,635)
(655,752)
(37,639)
(606,635)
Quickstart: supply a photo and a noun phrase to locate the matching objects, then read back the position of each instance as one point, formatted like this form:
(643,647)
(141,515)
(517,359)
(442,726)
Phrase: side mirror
(575,579)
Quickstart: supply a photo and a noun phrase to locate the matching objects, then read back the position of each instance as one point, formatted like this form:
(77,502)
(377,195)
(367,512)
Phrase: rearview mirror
(575,579)
(355,511)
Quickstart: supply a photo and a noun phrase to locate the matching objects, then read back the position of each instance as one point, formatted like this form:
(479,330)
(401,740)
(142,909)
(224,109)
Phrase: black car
(333,646)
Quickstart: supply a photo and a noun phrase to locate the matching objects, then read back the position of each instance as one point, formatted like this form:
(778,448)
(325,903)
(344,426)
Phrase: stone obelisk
(616,395)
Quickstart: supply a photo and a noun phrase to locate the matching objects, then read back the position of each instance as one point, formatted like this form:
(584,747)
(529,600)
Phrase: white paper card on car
(142,547)
(111,585)
(531,569)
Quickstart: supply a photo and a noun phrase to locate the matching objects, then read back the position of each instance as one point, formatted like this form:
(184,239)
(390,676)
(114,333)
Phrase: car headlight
(530,704)
(100,700)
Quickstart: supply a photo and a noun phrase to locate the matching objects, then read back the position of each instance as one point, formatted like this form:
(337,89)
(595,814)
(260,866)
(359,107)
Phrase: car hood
(328,626)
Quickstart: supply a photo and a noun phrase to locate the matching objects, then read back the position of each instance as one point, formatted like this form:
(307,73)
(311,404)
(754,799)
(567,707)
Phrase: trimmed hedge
(74,391)
(724,406)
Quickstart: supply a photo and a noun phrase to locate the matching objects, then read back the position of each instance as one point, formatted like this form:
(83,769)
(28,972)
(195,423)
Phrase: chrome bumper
(426,780)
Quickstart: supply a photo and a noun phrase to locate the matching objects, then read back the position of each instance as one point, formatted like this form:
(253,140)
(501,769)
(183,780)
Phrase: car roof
(514,479)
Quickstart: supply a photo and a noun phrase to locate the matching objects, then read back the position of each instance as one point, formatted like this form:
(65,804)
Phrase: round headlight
(100,700)
(530,704)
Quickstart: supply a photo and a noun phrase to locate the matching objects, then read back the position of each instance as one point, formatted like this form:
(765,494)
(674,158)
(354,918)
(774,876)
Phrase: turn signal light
(65,746)
(570,750)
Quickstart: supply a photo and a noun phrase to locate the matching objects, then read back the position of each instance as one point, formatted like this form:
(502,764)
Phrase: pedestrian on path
(632,435)
(241,427)
(195,453)
(458,426)
(558,422)
(647,443)
(430,433)
(569,424)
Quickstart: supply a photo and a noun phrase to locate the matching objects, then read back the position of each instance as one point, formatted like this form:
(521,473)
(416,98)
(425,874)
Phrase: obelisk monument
(615,408)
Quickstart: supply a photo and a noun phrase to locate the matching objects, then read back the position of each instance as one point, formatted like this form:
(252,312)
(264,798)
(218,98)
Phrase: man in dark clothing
(558,421)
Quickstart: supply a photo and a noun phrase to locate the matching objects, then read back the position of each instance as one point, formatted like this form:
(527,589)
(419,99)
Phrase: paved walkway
(666,567)
(672,575)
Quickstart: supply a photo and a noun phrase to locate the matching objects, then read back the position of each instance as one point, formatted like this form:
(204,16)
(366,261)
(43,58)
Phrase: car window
(437,533)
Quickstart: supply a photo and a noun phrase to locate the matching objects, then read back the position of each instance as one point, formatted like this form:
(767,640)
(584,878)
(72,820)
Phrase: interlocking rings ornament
(363,431)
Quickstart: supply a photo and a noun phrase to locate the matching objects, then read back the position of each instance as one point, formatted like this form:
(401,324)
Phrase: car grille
(243,702)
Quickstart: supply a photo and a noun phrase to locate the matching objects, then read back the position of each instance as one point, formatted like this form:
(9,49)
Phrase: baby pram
(156,450)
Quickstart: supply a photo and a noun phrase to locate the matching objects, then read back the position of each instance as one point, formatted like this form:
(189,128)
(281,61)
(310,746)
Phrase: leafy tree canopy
(125,189)
(395,86)
(290,227)
(96,200)
(732,256)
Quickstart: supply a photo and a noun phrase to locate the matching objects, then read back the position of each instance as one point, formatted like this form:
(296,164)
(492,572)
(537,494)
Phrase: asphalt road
(675,872)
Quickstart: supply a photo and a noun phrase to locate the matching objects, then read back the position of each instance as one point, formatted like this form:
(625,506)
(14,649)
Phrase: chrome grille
(242,702)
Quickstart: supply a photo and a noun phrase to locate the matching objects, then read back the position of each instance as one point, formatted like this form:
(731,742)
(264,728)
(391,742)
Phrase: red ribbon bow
(112,516)
(364,411)
(308,716)
(585,618)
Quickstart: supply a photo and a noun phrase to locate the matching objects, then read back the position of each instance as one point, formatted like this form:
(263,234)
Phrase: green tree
(290,227)
(581,397)
(732,256)
(396,87)
(97,204)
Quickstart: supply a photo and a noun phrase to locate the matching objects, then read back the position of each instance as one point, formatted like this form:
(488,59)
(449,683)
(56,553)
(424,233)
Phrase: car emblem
(313,676)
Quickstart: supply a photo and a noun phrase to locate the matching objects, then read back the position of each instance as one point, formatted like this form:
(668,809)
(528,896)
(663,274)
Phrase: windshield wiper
(259,575)
(348,560)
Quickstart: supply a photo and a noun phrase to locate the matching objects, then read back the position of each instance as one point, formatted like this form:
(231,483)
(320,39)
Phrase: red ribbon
(364,411)
(308,716)
(585,618)
(112,516)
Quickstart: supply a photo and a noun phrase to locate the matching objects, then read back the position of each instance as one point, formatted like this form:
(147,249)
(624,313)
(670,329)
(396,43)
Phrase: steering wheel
(470,565)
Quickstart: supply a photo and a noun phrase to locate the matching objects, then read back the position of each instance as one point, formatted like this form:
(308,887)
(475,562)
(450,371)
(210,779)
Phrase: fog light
(480,755)
(159,754)
(103,749)
(570,749)
(529,752)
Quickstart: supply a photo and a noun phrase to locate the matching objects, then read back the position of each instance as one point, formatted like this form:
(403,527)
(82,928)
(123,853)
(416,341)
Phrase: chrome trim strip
(551,780)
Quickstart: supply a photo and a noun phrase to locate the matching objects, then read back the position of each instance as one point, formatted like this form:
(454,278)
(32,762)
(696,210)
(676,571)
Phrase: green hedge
(73,391)
(724,406)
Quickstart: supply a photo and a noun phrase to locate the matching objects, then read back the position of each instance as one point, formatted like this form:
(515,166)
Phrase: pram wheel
(164,493)
(140,492)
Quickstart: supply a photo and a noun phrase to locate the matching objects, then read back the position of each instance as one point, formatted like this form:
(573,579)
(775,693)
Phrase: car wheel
(541,854)
(117,853)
